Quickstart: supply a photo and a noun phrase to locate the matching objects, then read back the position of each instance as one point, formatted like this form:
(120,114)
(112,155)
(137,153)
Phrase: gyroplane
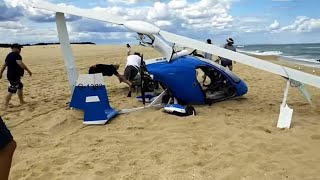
(175,72)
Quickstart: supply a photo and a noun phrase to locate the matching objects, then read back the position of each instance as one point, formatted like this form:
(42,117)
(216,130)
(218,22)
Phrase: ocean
(305,54)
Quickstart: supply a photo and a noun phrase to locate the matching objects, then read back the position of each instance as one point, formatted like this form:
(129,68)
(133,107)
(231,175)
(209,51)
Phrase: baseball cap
(15,45)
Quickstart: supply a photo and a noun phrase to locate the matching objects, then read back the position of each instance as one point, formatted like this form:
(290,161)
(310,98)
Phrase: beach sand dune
(234,139)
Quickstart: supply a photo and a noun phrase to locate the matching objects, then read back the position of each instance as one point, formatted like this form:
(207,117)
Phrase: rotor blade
(78,12)
(242,58)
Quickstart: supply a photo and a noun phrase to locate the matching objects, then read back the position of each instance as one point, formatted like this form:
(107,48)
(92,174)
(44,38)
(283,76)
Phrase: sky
(246,21)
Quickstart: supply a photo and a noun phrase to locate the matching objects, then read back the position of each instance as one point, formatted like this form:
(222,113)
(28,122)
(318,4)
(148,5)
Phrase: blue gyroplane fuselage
(181,78)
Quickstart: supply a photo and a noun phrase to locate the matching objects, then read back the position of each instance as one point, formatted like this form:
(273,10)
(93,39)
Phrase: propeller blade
(242,58)
(78,12)
(142,83)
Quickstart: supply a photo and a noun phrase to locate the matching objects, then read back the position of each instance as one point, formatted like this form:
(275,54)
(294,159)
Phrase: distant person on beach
(108,70)
(227,62)
(208,55)
(128,49)
(7,148)
(318,60)
(14,73)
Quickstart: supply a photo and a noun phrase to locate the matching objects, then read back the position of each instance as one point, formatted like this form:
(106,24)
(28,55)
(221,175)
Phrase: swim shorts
(14,86)
(130,73)
(226,63)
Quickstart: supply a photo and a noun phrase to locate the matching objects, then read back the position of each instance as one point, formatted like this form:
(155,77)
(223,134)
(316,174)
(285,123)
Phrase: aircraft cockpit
(214,84)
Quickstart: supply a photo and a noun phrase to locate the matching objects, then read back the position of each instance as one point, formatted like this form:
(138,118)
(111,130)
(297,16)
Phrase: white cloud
(15,3)
(125,1)
(206,14)
(274,26)
(37,15)
(177,4)
(251,19)
(209,16)
(12,25)
(159,11)
(303,24)
(163,23)
(245,29)
(28,35)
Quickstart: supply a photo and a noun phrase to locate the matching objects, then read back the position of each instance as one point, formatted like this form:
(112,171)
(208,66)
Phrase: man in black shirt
(109,70)
(14,73)
(105,69)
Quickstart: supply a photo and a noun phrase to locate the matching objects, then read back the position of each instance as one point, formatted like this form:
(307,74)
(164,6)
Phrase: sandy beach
(234,139)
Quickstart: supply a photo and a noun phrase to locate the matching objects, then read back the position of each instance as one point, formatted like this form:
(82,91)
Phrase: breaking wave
(263,53)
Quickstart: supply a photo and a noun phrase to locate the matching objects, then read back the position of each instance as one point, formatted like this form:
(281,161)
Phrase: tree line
(4,45)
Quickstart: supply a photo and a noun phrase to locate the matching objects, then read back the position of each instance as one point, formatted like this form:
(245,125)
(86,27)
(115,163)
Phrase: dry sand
(235,139)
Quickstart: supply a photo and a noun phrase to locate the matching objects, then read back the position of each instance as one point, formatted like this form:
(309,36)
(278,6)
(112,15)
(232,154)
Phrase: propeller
(142,81)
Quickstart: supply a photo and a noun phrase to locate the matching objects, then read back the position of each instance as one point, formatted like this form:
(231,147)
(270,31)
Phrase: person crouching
(109,70)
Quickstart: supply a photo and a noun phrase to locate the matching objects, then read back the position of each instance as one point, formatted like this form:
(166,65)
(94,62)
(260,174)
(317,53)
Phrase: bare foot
(22,102)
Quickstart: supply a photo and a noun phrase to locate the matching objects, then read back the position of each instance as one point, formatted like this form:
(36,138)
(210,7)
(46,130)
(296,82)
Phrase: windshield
(233,76)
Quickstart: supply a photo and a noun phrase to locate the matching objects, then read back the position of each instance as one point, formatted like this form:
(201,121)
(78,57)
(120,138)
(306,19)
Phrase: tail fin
(91,96)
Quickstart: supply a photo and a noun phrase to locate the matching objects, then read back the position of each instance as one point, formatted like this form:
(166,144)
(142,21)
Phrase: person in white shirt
(132,68)
(133,60)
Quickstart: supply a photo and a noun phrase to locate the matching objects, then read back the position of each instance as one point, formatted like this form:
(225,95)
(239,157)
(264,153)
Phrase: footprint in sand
(201,163)
(101,173)
(59,161)
(134,128)
(315,137)
(297,151)
(45,169)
